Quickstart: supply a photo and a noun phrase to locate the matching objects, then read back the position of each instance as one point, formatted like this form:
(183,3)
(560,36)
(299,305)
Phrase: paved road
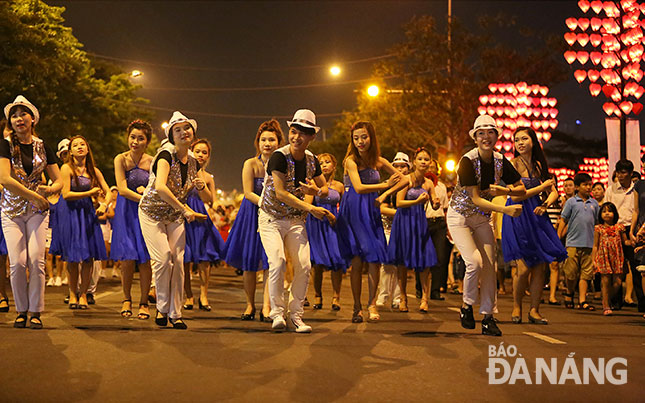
(96,355)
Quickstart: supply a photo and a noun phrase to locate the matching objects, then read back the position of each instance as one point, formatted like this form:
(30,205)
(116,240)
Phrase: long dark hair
(89,162)
(373,154)
(538,160)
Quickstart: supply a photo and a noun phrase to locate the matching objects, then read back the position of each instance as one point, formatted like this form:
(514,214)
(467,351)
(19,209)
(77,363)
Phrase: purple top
(333,198)
(136,177)
(258,184)
(368,176)
(414,193)
(82,184)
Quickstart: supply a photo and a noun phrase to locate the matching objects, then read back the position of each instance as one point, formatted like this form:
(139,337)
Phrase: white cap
(484,122)
(63,145)
(178,117)
(304,118)
(20,100)
(402,158)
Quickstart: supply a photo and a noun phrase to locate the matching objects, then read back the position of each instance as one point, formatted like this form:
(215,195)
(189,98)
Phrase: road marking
(452,308)
(545,338)
(105,294)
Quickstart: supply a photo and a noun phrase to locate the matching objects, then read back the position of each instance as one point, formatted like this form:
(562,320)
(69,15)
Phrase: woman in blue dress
(359,226)
(243,248)
(323,241)
(131,171)
(530,239)
(204,244)
(410,245)
(82,238)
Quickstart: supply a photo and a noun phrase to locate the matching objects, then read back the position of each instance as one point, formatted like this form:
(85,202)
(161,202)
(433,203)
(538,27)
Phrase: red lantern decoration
(580,75)
(483,99)
(593,75)
(595,23)
(596,6)
(583,23)
(595,57)
(584,5)
(637,108)
(608,107)
(493,87)
(626,107)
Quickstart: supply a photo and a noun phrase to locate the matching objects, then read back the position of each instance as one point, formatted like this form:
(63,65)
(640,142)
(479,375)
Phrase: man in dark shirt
(292,172)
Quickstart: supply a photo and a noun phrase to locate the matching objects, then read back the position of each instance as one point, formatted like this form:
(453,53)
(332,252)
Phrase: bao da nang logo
(507,366)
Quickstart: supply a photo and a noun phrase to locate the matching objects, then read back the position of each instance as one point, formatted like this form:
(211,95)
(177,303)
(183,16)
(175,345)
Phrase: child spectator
(607,254)
(579,214)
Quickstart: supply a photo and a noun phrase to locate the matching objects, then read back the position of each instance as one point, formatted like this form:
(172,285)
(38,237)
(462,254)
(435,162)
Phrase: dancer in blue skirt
(204,244)
(131,171)
(325,254)
(410,245)
(359,225)
(82,239)
(243,248)
(530,239)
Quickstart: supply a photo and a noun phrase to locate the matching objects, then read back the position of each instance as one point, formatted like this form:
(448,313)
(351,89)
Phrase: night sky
(251,38)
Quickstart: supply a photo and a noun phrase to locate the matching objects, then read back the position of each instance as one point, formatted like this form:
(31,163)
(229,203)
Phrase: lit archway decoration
(607,47)
(519,105)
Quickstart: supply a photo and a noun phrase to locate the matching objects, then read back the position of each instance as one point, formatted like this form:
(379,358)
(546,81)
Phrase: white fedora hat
(20,100)
(484,122)
(304,118)
(63,145)
(178,117)
(402,158)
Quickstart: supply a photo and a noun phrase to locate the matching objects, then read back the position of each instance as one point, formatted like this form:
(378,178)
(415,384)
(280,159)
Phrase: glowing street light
(136,73)
(164,125)
(450,165)
(335,71)
(372,90)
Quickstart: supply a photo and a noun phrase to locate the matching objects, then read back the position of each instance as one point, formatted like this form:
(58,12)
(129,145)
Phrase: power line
(233,69)
(265,88)
(230,115)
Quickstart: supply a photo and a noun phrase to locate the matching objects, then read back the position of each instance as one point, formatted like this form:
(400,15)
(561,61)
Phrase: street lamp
(164,125)
(372,90)
(334,71)
(136,73)
(450,165)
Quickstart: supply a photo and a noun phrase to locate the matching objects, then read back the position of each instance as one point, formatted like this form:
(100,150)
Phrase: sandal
(357,316)
(318,303)
(4,308)
(35,322)
(126,313)
(335,304)
(143,315)
(21,321)
(161,319)
(568,303)
(403,305)
(607,312)
(373,314)
(587,306)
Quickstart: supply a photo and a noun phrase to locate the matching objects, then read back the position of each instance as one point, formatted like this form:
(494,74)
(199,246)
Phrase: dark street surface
(96,355)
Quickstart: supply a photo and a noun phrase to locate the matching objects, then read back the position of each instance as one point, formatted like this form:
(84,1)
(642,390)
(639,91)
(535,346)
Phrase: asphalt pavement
(96,355)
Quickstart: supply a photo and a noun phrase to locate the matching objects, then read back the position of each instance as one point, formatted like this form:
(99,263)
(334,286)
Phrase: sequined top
(258,184)
(368,176)
(269,202)
(414,193)
(14,205)
(136,177)
(461,201)
(154,206)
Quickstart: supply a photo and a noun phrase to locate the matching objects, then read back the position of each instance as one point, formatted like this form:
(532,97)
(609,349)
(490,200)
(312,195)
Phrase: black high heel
(206,308)
(188,307)
(178,323)
(318,303)
(538,321)
(249,316)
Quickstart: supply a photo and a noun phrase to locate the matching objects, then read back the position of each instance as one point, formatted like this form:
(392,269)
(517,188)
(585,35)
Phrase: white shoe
(299,325)
(50,282)
(102,273)
(115,273)
(58,282)
(279,325)
(64,281)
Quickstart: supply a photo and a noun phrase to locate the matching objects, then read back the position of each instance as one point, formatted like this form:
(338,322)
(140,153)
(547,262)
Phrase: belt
(436,219)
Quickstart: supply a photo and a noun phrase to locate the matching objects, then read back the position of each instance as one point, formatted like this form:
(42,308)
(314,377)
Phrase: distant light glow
(578,122)
(450,165)
(164,125)
(136,73)
(372,90)
(334,70)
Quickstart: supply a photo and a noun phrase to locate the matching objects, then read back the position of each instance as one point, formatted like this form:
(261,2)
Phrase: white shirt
(623,199)
(442,193)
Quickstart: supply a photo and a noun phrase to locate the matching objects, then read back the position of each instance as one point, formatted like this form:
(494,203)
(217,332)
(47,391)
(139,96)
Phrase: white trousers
(166,243)
(473,236)
(25,237)
(95,277)
(389,282)
(280,237)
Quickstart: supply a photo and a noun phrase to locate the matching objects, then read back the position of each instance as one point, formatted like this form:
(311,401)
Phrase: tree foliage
(430,87)
(41,59)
